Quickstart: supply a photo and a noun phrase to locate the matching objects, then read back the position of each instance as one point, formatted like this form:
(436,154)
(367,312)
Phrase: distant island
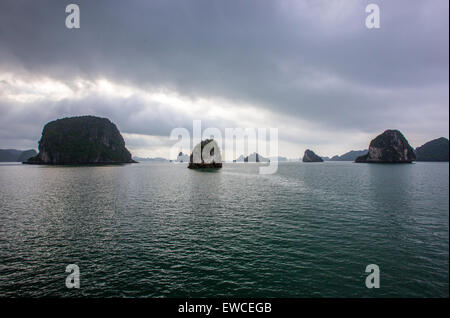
(156,159)
(81,140)
(434,150)
(350,156)
(310,156)
(182,157)
(14,155)
(278,159)
(239,159)
(389,147)
(254,157)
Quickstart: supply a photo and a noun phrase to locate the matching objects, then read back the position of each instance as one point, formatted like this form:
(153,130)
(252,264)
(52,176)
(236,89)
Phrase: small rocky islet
(206,154)
(310,156)
(389,147)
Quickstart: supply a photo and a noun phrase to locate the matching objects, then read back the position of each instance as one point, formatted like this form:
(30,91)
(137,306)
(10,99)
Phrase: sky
(310,68)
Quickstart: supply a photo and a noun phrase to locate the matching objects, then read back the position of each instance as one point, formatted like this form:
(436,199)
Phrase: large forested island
(81,140)
(434,150)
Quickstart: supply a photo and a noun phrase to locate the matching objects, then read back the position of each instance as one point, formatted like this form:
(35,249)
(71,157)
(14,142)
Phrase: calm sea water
(162,230)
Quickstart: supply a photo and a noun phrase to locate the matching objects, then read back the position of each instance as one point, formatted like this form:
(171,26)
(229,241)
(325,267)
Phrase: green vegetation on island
(434,150)
(81,140)
(389,147)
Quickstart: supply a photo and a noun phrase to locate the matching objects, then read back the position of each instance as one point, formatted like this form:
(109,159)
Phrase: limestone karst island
(310,156)
(389,147)
(81,140)
(206,154)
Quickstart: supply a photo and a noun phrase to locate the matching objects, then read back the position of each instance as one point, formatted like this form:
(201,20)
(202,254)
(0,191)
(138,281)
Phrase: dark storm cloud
(141,118)
(309,59)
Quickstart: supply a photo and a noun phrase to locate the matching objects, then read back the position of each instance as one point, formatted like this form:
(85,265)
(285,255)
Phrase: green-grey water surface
(162,230)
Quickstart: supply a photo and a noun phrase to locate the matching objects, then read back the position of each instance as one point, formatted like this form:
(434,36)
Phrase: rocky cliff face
(389,147)
(310,156)
(434,150)
(206,154)
(81,140)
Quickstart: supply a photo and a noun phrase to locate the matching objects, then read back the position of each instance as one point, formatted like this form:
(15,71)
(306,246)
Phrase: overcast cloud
(310,68)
